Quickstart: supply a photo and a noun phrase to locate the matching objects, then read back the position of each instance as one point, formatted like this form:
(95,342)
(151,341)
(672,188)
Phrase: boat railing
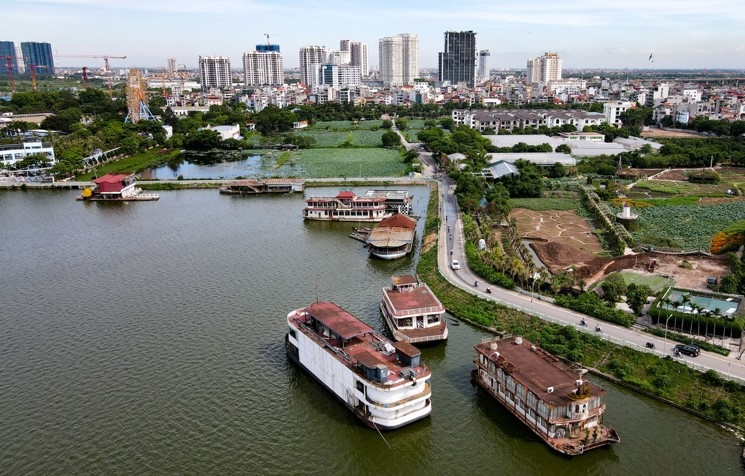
(419,311)
(427,390)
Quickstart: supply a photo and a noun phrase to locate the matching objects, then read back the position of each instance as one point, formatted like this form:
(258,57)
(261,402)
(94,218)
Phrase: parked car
(454,264)
(687,349)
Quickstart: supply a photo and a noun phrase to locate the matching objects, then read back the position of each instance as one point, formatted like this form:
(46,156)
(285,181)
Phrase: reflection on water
(148,338)
(255,166)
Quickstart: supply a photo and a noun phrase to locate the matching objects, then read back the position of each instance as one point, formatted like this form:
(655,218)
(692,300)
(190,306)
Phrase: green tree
(390,139)
(613,287)
(636,297)
(204,139)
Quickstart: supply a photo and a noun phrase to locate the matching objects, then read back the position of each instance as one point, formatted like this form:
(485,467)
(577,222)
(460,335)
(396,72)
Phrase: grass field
(655,283)
(134,164)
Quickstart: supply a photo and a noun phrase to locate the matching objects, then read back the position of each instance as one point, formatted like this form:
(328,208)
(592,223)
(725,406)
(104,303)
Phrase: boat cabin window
(360,386)
(293,334)
(433,319)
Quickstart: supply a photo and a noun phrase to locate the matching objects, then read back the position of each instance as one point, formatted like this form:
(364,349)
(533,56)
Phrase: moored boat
(346,206)
(554,401)
(393,237)
(384,384)
(413,312)
(255,186)
(116,187)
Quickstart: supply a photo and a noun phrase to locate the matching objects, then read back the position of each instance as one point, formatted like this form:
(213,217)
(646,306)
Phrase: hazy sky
(586,34)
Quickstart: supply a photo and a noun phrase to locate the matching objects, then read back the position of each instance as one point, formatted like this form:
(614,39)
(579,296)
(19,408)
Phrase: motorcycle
(650,345)
(582,323)
(475,284)
(598,329)
(488,290)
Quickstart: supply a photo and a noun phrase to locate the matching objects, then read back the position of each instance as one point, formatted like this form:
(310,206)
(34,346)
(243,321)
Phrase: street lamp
(664,342)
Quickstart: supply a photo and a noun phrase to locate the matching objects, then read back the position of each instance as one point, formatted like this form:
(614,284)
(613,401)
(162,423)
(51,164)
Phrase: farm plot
(341,126)
(322,163)
(685,227)
(352,138)
(561,226)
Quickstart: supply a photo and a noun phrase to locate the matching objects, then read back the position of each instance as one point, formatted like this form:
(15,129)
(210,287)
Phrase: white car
(454,264)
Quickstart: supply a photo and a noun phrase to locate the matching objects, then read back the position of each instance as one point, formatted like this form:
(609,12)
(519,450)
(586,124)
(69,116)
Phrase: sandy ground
(565,227)
(653,132)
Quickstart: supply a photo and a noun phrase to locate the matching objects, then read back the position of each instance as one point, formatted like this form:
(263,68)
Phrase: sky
(679,34)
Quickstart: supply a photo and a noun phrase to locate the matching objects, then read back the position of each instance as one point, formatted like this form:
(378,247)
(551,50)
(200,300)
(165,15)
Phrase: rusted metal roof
(342,323)
(398,220)
(540,372)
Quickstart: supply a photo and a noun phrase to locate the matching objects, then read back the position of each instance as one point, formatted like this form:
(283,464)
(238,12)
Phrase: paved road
(451,247)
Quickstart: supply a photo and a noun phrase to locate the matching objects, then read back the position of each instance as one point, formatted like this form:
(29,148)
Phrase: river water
(147,338)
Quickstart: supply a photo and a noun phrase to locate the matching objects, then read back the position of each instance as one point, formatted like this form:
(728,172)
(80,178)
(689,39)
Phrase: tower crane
(9,65)
(32,68)
(106,58)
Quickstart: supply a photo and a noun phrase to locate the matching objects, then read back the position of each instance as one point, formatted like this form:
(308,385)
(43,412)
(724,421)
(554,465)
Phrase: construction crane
(106,58)
(32,68)
(9,65)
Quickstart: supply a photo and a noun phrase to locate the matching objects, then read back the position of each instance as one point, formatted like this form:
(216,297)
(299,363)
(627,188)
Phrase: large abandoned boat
(396,201)
(348,206)
(384,384)
(555,402)
(413,312)
(393,237)
(116,187)
(259,186)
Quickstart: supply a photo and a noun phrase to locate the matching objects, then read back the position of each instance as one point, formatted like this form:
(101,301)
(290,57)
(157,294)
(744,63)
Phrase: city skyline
(631,34)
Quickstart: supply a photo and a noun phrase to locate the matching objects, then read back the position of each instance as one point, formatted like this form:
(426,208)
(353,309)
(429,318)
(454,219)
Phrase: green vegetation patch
(685,227)
(322,163)
(341,126)
(655,283)
(360,138)
(135,163)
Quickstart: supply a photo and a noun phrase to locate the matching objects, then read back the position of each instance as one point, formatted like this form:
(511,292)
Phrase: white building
(340,76)
(263,68)
(226,132)
(214,72)
(483,71)
(399,59)
(544,69)
(311,58)
(358,57)
(12,153)
(612,111)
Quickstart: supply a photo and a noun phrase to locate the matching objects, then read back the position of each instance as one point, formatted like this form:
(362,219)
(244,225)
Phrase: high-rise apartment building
(544,68)
(311,59)
(214,72)
(483,74)
(8,48)
(399,59)
(340,75)
(457,63)
(263,67)
(357,54)
(172,66)
(38,54)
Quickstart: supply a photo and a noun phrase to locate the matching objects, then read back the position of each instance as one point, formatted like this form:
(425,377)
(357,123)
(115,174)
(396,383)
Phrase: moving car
(454,264)
(687,349)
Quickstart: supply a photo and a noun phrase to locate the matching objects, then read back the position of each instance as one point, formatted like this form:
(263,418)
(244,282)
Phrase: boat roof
(404,279)
(398,220)
(390,237)
(539,371)
(112,178)
(346,194)
(420,297)
(344,324)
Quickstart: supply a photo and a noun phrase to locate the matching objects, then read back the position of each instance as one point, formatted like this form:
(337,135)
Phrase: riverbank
(706,395)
